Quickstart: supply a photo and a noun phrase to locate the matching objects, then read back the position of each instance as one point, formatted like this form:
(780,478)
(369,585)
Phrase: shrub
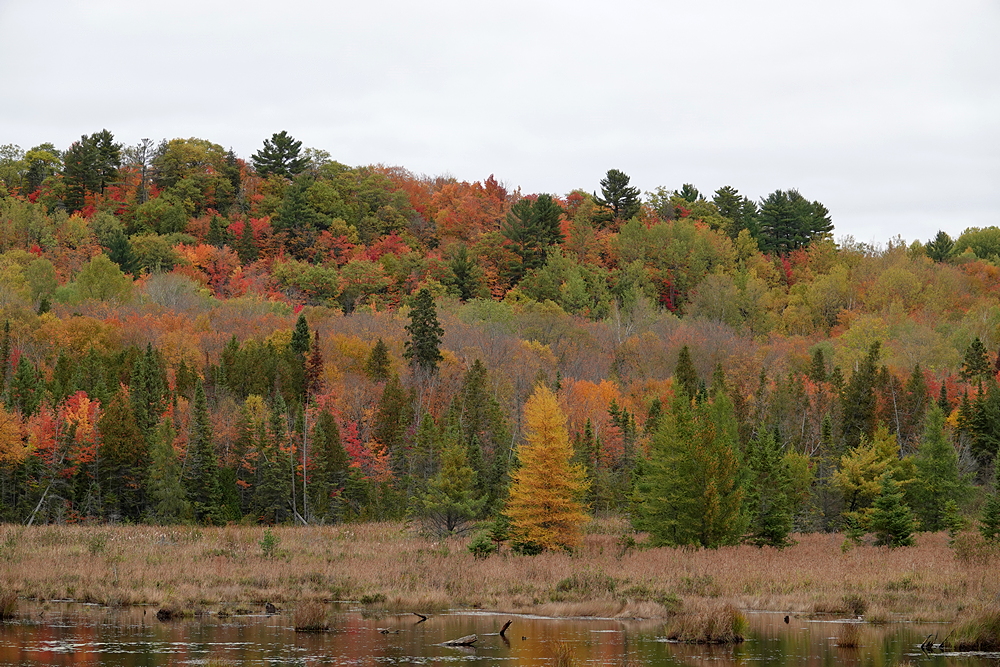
(710,623)
(482,546)
(311,617)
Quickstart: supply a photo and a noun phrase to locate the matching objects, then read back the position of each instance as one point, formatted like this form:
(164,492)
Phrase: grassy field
(388,566)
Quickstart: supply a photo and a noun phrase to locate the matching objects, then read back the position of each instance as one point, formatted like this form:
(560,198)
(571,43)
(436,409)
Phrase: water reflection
(68,634)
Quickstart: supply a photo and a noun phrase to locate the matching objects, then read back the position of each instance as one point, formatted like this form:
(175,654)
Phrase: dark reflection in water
(67,634)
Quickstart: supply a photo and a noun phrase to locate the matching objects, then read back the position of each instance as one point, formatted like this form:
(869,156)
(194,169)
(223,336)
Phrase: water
(72,634)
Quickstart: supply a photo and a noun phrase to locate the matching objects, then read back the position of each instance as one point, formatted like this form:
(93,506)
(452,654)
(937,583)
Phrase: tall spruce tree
(378,366)
(452,500)
(281,156)
(859,398)
(201,467)
(329,470)
(123,460)
(891,520)
(685,376)
(938,480)
(423,349)
(531,227)
(975,365)
(769,492)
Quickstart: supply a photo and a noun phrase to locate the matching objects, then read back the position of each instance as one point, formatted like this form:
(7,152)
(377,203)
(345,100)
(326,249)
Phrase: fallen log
(467,640)
(504,629)
(422,617)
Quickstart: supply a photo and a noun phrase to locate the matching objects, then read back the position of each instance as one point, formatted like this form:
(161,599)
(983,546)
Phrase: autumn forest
(191,336)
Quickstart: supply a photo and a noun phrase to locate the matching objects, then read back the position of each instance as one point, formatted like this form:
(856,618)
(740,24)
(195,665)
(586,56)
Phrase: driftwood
(467,640)
(504,629)
(422,617)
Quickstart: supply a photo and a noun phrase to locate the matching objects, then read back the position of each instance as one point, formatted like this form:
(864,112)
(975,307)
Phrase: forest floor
(389,566)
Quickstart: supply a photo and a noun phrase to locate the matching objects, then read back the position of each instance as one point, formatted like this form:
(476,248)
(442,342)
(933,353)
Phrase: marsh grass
(311,617)
(849,635)
(981,632)
(8,606)
(708,622)
(387,566)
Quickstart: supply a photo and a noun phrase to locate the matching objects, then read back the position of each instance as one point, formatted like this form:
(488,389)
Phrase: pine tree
(329,469)
(124,458)
(314,369)
(975,365)
(26,388)
(530,228)
(451,501)
(201,468)
(300,336)
(941,247)
(938,480)
(378,366)
(280,156)
(273,490)
(817,369)
(685,376)
(891,521)
(466,275)
(423,348)
(769,492)
(166,497)
(859,401)
(246,246)
(690,488)
(618,196)
(989,520)
(543,506)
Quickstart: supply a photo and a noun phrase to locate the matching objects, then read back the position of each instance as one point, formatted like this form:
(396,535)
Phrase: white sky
(888,112)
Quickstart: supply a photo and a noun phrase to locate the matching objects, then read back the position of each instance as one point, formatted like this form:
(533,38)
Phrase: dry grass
(8,605)
(311,617)
(708,622)
(980,632)
(849,635)
(385,565)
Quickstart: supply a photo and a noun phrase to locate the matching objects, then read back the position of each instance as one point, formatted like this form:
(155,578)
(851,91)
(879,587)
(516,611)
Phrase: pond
(75,634)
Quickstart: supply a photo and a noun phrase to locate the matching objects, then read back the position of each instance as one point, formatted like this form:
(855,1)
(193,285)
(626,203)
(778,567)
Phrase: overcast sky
(888,112)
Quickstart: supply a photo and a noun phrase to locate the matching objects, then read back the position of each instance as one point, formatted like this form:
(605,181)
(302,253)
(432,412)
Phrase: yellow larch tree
(544,507)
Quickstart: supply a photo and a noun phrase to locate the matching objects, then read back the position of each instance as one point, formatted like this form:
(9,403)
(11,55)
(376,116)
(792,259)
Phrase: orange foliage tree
(543,508)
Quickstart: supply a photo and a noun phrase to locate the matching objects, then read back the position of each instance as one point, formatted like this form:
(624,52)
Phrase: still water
(72,634)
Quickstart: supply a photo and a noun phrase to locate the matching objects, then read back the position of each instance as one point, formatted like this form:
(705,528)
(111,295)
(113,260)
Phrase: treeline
(193,337)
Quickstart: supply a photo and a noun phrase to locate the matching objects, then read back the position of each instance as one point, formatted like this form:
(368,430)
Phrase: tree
(739,210)
(975,364)
(167,501)
(102,280)
(329,468)
(769,492)
(423,348)
(859,398)
(622,199)
(89,165)
(891,520)
(452,500)
(938,480)
(531,226)
(378,366)
(689,490)
(201,468)
(685,376)
(989,520)
(124,458)
(941,247)
(544,507)
(787,221)
(280,156)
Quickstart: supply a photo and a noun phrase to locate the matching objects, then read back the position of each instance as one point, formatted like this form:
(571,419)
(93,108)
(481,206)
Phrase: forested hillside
(192,336)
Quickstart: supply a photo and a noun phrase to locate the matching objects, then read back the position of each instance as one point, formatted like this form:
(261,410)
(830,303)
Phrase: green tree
(891,520)
(938,480)
(769,492)
(378,366)
(201,467)
(41,162)
(26,388)
(466,276)
(689,489)
(941,247)
(102,280)
(329,469)
(739,210)
(531,226)
(544,507)
(281,156)
(685,376)
(89,165)
(166,497)
(423,347)
(618,196)
(975,364)
(452,500)
(989,520)
(788,221)
(124,459)
(860,399)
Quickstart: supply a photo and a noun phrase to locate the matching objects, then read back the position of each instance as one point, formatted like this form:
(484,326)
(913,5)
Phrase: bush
(482,546)
(311,617)
(526,548)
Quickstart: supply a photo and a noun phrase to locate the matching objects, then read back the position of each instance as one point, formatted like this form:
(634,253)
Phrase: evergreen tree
(943,401)
(740,210)
(4,356)
(769,492)
(246,246)
(989,520)
(124,459)
(543,506)
(201,468)
(393,417)
(148,390)
(689,489)
(941,247)
(119,251)
(817,369)
(685,376)
(26,388)
(281,156)
(166,497)
(329,469)
(88,166)
(618,196)
(466,276)
(891,521)
(378,366)
(531,226)
(982,421)
(423,348)
(938,479)
(654,418)
(859,399)
(451,501)
(975,365)
(314,369)
(788,221)
(218,233)
(273,492)
(300,337)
